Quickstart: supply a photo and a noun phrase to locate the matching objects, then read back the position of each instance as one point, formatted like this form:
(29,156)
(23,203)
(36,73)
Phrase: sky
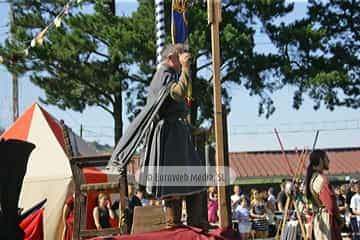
(247,131)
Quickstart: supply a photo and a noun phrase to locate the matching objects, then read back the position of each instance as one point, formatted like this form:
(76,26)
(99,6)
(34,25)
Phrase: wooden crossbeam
(100,187)
(101,232)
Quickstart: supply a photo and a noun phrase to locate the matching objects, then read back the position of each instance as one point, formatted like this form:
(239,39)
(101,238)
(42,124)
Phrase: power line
(97,134)
(99,127)
(97,137)
(73,119)
(295,131)
(297,123)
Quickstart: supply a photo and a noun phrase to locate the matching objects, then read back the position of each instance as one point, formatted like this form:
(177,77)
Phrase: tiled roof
(343,161)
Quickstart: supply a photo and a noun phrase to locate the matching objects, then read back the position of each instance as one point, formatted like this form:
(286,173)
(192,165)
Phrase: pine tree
(84,62)
(95,56)
(320,53)
(317,55)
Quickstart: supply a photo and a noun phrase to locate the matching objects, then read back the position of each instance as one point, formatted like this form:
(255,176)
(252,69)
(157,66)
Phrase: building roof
(260,164)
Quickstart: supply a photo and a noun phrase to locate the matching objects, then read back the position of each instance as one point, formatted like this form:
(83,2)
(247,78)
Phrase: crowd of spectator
(255,214)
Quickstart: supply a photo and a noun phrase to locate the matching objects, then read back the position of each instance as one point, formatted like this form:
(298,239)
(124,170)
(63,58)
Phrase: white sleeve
(317,184)
(353,202)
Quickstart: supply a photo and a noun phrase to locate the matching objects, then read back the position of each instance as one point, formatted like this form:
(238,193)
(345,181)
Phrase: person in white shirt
(355,204)
(271,201)
(236,196)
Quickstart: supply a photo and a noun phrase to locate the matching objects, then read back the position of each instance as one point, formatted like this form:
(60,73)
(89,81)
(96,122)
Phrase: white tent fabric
(49,158)
(48,171)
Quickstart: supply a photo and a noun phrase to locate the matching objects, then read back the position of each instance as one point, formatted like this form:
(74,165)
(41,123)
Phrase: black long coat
(165,138)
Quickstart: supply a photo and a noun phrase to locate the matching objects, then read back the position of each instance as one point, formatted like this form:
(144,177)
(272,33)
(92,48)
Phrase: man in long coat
(161,129)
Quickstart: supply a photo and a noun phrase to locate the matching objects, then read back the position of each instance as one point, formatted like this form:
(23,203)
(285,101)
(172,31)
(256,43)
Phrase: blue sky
(247,131)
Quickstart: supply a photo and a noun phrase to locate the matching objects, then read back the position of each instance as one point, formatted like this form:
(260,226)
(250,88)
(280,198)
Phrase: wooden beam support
(214,18)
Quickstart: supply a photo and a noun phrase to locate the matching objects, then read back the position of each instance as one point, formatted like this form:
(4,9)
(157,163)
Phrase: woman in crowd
(103,212)
(252,194)
(242,213)
(235,197)
(340,200)
(212,206)
(258,213)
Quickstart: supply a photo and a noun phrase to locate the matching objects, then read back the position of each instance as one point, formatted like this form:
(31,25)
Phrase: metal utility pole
(15,82)
(214,19)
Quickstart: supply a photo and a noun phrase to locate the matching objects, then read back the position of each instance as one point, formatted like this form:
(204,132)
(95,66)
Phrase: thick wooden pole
(214,18)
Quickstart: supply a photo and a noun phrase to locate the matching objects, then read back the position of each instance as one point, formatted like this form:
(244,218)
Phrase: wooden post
(123,220)
(78,179)
(226,163)
(214,18)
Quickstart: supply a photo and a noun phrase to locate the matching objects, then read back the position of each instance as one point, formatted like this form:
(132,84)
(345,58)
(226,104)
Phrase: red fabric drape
(69,219)
(93,175)
(327,197)
(33,226)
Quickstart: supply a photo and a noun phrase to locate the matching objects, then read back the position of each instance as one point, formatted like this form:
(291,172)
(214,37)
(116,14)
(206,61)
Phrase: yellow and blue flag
(179,26)
(179,32)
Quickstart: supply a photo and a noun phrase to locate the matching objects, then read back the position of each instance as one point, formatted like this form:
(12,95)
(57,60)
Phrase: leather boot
(195,207)
(173,212)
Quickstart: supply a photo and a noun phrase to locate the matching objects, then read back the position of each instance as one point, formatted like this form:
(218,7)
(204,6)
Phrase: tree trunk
(118,122)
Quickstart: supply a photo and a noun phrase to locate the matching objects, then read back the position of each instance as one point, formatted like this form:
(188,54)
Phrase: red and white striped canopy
(48,172)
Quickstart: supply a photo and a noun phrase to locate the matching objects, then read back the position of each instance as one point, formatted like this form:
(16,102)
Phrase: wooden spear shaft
(283,151)
(214,18)
(315,140)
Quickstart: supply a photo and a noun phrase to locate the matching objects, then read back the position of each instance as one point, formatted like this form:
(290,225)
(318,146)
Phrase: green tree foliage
(94,56)
(317,55)
(240,64)
(321,53)
(85,62)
